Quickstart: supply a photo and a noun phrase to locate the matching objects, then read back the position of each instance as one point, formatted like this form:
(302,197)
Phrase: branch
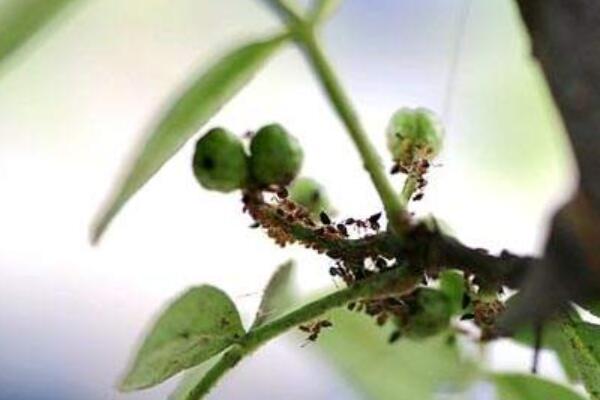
(394,282)
(396,213)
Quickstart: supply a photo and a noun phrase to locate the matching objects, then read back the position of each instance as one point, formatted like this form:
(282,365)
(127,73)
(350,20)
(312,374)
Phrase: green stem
(288,12)
(395,282)
(341,103)
(409,188)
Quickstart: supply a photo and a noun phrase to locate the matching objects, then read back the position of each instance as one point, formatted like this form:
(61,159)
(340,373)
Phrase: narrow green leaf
(21,19)
(452,283)
(530,387)
(199,324)
(584,340)
(324,9)
(402,370)
(277,296)
(191,109)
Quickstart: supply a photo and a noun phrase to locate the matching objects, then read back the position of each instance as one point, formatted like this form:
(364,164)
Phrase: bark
(565,40)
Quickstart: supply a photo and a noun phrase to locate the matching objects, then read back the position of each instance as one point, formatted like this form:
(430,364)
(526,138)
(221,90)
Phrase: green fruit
(275,156)
(431,312)
(310,194)
(414,135)
(220,162)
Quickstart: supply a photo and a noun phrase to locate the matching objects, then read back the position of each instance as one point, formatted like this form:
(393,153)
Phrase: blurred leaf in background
(20,20)
(404,370)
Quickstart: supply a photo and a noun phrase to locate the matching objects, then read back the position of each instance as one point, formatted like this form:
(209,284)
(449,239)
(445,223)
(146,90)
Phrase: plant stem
(397,281)
(409,188)
(288,12)
(341,103)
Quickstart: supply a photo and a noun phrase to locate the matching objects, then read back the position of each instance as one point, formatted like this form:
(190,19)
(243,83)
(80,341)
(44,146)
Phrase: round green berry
(431,310)
(220,162)
(310,194)
(414,135)
(275,156)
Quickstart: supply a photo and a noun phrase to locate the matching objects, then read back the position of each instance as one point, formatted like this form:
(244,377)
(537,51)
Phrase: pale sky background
(73,105)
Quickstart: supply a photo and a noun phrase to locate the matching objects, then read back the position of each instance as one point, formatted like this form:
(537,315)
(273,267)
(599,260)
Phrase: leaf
(553,338)
(21,19)
(452,283)
(277,295)
(191,109)
(584,339)
(324,9)
(529,387)
(199,324)
(405,370)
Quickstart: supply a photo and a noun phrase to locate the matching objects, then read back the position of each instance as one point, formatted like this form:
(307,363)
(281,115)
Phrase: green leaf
(323,9)
(199,324)
(529,387)
(191,109)
(402,370)
(277,296)
(553,338)
(452,283)
(584,339)
(21,19)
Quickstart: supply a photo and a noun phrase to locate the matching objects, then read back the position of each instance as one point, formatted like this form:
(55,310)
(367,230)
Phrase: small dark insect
(351,306)
(280,212)
(382,319)
(467,317)
(254,225)
(315,329)
(333,271)
(380,263)
(282,193)
(375,218)
(325,220)
(466,300)
(350,221)
(418,196)
(394,337)
(395,169)
(342,229)
(361,224)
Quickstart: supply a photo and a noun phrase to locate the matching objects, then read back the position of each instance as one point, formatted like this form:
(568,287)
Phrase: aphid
(342,229)
(282,193)
(333,271)
(394,337)
(254,225)
(349,221)
(375,217)
(351,306)
(418,196)
(467,317)
(380,263)
(382,319)
(466,300)
(325,220)
(315,329)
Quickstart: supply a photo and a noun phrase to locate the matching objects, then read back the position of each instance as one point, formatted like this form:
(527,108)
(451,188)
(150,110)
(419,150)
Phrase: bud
(311,195)
(220,162)
(414,135)
(276,156)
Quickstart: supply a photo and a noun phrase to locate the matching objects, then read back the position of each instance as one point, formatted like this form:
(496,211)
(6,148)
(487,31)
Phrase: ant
(314,329)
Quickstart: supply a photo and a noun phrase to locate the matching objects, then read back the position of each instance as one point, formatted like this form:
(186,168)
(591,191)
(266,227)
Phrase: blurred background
(75,101)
